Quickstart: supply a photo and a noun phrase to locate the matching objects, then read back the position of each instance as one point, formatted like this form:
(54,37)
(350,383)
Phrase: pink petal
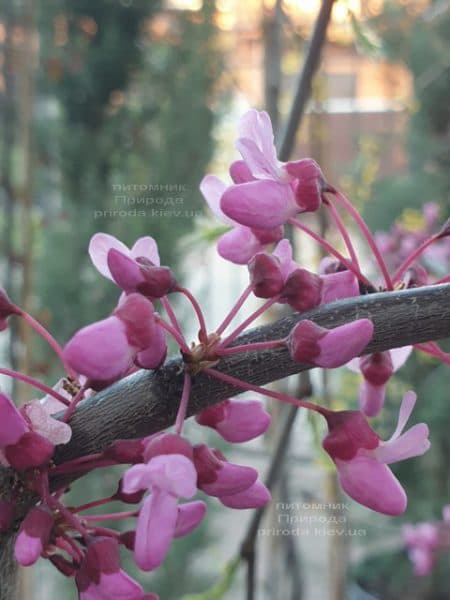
(371,398)
(239,245)
(342,284)
(342,343)
(399,356)
(118,585)
(32,450)
(124,270)
(154,355)
(173,473)
(239,172)
(230,479)
(423,561)
(54,430)
(34,534)
(12,424)
(262,204)
(100,351)
(255,143)
(213,189)
(236,421)
(255,496)
(190,515)
(138,477)
(329,348)
(283,252)
(413,442)
(372,484)
(406,408)
(155,529)
(146,247)
(99,246)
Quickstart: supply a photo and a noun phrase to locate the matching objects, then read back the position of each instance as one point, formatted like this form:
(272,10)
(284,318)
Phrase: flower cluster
(166,472)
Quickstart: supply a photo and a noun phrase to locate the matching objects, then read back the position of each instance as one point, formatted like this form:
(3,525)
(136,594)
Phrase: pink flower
(240,243)
(101,578)
(377,369)
(423,542)
(218,477)
(278,190)
(168,477)
(236,421)
(21,446)
(135,270)
(329,348)
(256,496)
(33,536)
(361,457)
(105,350)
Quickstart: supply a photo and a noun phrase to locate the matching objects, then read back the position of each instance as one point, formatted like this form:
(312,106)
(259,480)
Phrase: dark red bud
(266,277)
(302,290)
(377,368)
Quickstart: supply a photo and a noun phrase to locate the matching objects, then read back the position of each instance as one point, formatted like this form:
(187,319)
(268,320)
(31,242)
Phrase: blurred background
(111,112)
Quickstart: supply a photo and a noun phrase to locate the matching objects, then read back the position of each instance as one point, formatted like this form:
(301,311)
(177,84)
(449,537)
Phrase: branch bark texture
(147,401)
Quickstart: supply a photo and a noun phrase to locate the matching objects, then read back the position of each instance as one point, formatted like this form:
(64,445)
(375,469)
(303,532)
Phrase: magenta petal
(371,398)
(230,479)
(372,484)
(155,529)
(213,189)
(239,245)
(137,477)
(12,424)
(255,496)
(100,351)
(32,450)
(239,172)
(154,355)
(146,247)
(343,284)
(173,473)
(262,204)
(413,442)
(124,270)
(343,343)
(118,585)
(236,421)
(190,515)
(99,246)
(33,536)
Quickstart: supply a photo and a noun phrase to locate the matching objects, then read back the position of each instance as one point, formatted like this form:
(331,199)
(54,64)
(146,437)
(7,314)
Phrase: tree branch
(147,401)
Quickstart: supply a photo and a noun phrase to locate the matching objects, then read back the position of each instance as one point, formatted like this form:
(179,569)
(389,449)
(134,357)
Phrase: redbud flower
(311,344)
(100,576)
(422,541)
(135,270)
(279,190)
(241,243)
(21,447)
(33,536)
(361,457)
(218,477)
(105,350)
(236,421)
(168,477)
